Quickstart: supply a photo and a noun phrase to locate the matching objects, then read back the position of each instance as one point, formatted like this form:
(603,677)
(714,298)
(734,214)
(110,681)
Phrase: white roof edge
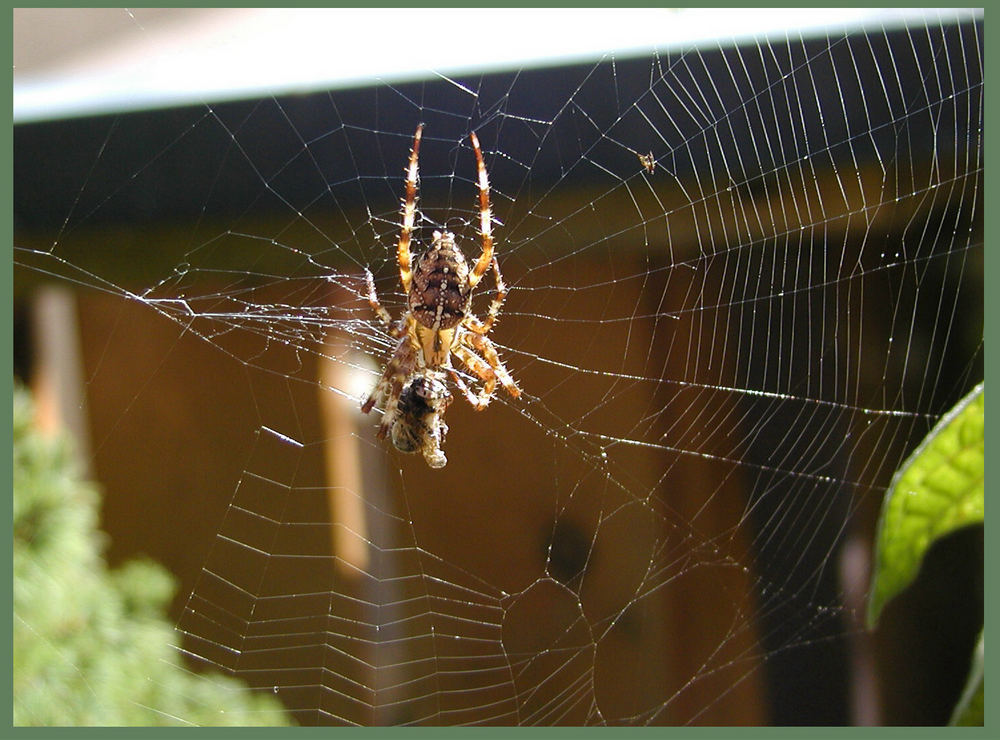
(238,54)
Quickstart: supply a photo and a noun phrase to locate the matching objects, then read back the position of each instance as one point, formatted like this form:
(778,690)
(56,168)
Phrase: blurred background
(745,258)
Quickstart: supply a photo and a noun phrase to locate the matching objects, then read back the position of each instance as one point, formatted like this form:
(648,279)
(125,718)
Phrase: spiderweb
(745,279)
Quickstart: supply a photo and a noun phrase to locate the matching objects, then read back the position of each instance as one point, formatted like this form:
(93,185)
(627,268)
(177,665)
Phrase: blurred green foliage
(92,646)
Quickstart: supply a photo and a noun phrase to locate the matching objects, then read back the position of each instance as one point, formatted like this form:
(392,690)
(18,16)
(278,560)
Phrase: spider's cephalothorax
(438,321)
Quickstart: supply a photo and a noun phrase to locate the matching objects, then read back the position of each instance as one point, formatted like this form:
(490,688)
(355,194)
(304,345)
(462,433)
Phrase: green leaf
(969,710)
(938,490)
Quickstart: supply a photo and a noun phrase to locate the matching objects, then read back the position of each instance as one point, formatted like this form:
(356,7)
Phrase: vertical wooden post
(342,454)
(362,510)
(60,400)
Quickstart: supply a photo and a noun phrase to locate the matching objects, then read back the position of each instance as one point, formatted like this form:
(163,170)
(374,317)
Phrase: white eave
(154,59)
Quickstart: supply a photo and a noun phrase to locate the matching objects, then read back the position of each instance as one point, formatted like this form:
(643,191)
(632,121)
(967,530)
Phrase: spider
(648,162)
(419,423)
(438,323)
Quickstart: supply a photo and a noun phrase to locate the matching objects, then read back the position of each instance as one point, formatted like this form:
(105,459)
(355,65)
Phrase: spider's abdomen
(439,293)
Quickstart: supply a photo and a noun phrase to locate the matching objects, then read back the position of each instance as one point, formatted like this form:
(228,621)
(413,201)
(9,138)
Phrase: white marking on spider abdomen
(436,326)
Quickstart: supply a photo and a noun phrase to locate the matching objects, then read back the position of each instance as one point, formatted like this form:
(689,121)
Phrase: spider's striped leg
(409,215)
(390,385)
(485,218)
(489,352)
(382,388)
(482,370)
(396,330)
(377,394)
(374,302)
(477,403)
(483,327)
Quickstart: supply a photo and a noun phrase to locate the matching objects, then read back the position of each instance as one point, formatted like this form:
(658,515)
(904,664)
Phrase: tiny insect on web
(648,162)
(438,322)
